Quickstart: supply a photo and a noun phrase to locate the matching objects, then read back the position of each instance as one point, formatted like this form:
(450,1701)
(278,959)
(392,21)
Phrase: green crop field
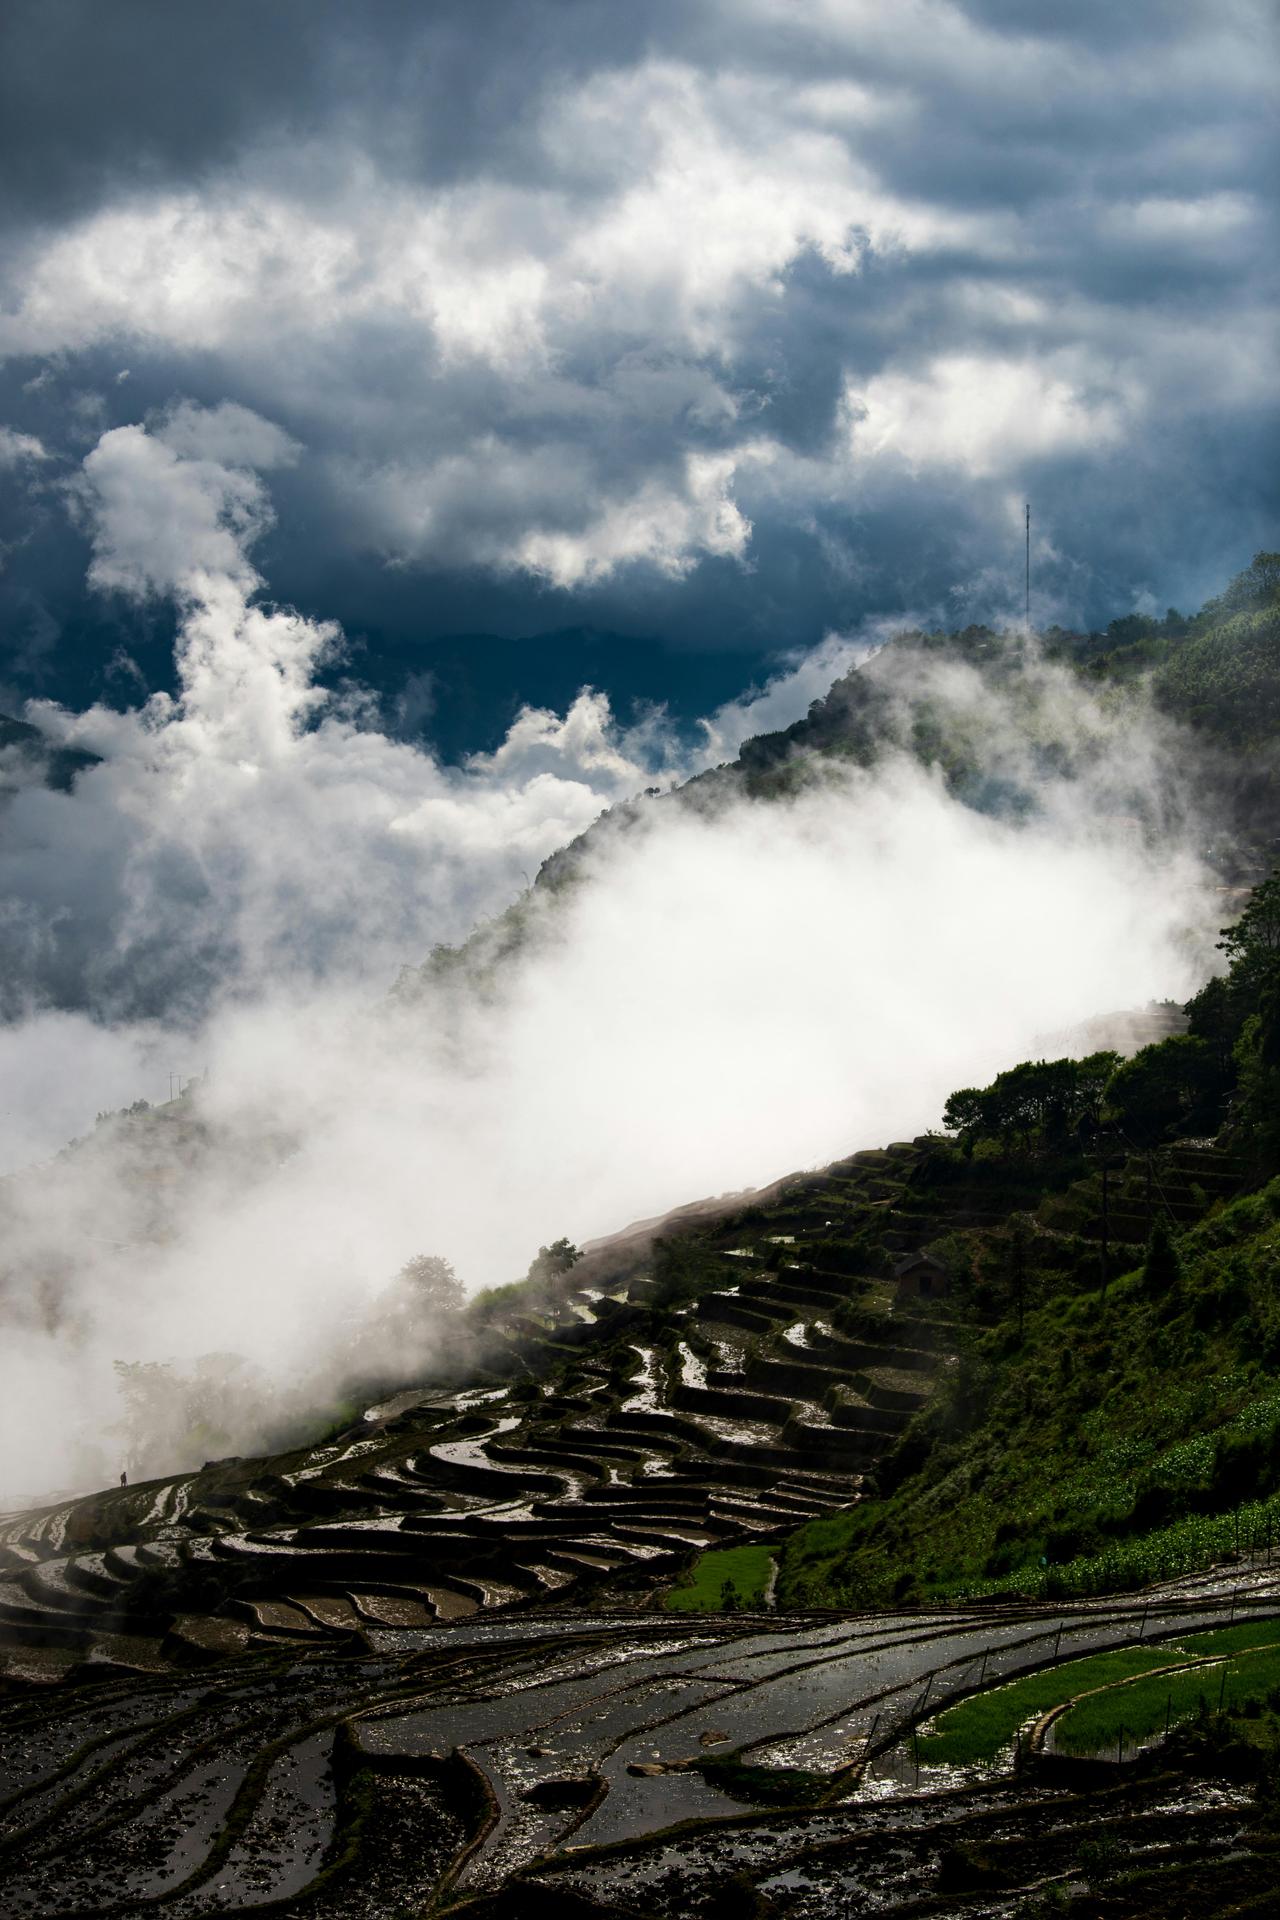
(1144,1707)
(1138,1698)
(980,1728)
(1244,1635)
(703,1590)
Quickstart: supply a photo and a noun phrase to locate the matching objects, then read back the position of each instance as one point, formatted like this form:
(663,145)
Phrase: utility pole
(1027,511)
(1105,1140)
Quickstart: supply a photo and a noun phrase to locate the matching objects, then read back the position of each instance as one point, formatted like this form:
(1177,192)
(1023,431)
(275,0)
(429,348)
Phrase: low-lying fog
(729,993)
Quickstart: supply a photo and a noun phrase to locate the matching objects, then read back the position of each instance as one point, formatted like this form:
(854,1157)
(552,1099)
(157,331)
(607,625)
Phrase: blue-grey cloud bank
(704,329)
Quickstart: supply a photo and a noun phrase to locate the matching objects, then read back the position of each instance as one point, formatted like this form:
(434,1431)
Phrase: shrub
(1162,1268)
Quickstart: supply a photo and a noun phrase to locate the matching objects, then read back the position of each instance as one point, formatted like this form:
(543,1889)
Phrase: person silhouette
(124,1479)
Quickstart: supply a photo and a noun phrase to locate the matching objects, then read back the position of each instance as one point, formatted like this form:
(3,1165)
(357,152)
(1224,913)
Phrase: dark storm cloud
(726,323)
(98,100)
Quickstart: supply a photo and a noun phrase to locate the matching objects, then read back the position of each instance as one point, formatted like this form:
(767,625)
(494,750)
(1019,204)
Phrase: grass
(981,1727)
(1142,1708)
(746,1570)
(1144,1558)
(1241,1638)
(1106,1446)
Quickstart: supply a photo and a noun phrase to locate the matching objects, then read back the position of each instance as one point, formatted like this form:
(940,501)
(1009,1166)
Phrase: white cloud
(539,742)
(1202,220)
(545,352)
(546,512)
(726,997)
(254,829)
(164,524)
(711,189)
(231,435)
(58,1069)
(987,415)
(665,528)
(565,364)
(17,448)
(712,185)
(730,993)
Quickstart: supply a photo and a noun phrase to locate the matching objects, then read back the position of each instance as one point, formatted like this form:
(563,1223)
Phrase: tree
(1224,678)
(1040,1102)
(1093,1076)
(175,1417)
(404,1326)
(549,1263)
(1162,1265)
(431,1284)
(1213,1016)
(1252,945)
(1257,586)
(1238,1019)
(1257,1105)
(965,1114)
(1170,1088)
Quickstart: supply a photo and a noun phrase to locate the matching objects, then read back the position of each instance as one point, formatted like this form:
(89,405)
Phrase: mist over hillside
(966,844)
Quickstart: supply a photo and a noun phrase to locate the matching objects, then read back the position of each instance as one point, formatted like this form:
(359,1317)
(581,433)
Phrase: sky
(639,347)
(423,428)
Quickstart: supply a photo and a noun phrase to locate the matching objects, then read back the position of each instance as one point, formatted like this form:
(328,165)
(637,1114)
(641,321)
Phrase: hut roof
(914,1260)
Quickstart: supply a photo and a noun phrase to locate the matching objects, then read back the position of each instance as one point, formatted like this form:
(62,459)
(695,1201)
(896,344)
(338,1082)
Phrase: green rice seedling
(1144,1707)
(982,1727)
(745,1569)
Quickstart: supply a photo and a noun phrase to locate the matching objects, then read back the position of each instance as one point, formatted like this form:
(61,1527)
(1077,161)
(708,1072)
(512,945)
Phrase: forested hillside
(1114,1415)
(1216,672)
(999,713)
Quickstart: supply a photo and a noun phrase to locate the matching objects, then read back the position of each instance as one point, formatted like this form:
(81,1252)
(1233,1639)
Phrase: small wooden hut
(920,1277)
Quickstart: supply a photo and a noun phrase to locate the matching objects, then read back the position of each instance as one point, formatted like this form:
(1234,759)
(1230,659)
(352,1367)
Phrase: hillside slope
(1116,1416)
(997,713)
(1000,1404)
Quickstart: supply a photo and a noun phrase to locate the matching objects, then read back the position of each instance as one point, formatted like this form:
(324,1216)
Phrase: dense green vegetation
(985,1726)
(1101,1429)
(1128,1691)
(1044,1102)
(1133,1712)
(722,1580)
(1119,1440)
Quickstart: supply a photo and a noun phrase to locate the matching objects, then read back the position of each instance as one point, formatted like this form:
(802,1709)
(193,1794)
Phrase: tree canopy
(1224,1069)
(1040,1102)
(549,1263)
(1172,1087)
(431,1284)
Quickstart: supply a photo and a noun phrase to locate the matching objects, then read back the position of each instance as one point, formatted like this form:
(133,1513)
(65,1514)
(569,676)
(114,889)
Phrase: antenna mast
(1028,525)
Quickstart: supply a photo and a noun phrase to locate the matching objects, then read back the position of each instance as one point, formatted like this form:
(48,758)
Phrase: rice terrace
(639,960)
